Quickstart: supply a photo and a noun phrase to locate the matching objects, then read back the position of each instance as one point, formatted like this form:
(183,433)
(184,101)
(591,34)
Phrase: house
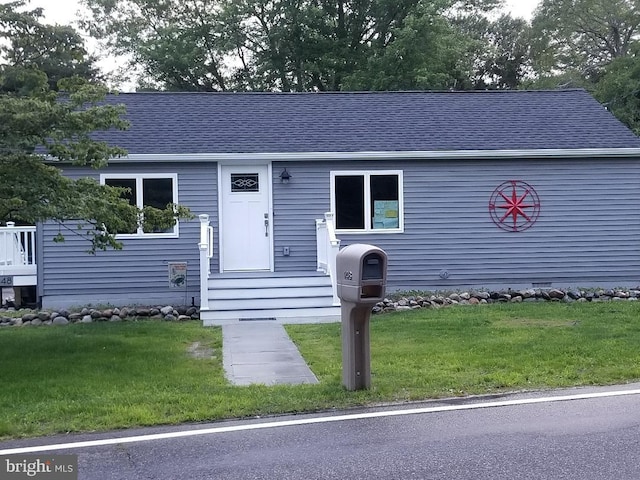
(484,189)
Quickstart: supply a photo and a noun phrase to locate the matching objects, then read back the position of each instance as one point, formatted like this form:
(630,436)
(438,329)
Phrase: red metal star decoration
(520,209)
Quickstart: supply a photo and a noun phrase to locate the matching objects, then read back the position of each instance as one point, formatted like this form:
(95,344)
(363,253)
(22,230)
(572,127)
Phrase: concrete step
(246,297)
(296,315)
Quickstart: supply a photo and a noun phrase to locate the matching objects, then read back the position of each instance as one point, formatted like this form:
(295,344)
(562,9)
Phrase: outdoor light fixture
(285,176)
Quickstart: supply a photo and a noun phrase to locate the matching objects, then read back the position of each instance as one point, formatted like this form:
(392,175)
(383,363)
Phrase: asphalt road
(524,436)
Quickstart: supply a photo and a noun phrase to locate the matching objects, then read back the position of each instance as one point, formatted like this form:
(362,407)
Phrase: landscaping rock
(60,321)
(574,294)
(555,293)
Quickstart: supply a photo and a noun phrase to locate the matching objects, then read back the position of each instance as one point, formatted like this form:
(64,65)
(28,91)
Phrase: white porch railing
(17,250)
(206,252)
(328,246)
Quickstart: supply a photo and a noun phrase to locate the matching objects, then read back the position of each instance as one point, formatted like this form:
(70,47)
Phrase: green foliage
(160,220)
(289,45)
(619,90)
(56,50)
(583,35)
(44,127)
(34,125)
(589,44)
(501,51)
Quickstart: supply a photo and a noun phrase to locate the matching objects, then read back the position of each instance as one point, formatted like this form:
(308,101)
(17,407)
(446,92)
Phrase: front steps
(282,298)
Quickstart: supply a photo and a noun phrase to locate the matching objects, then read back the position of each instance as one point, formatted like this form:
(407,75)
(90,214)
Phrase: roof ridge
(359,92)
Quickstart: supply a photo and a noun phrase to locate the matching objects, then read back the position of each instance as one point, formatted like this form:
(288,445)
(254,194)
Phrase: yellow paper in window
(385,214)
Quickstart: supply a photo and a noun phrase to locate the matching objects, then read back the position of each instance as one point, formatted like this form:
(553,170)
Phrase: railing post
(333,247)
(206,252)
(321,246)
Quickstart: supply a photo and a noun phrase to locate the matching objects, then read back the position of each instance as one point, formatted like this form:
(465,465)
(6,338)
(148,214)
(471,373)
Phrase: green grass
(116,375)
(476,350)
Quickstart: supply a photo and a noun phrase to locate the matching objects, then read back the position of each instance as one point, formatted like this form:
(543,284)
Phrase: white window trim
(138,178)
(367,199)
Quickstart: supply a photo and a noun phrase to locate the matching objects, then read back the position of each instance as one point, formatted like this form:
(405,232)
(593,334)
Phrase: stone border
(439,300)
(89,315)
(399,302)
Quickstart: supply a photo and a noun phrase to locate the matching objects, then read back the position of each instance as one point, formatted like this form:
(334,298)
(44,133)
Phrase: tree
(287,45)
(591,44)
(426,51)
(583,35)
(619,90)
(41,129)
(500,50)
(56,50)
(174,45)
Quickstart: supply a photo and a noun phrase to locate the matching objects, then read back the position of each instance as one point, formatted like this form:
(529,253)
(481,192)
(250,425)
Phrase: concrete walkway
(262,352)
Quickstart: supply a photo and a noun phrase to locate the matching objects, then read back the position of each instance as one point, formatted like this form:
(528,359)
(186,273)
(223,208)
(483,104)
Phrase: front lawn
(100,376)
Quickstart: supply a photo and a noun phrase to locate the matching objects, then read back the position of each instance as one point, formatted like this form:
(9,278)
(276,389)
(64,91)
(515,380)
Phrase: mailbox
(361,282)
(362,274)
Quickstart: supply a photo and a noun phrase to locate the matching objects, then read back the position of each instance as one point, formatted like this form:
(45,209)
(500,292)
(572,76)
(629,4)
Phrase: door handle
(266,224)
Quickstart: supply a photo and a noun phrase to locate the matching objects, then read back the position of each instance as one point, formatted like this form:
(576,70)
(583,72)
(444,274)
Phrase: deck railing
(206,253)
(17,249)
(328,246)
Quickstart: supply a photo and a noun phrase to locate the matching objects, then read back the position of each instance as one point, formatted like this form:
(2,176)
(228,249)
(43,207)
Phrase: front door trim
(221,203)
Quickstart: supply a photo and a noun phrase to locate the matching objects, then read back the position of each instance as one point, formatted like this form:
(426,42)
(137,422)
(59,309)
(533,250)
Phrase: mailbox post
(362,279)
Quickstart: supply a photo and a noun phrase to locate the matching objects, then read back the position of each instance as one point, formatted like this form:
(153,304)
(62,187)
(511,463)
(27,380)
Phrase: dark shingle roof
(165,123)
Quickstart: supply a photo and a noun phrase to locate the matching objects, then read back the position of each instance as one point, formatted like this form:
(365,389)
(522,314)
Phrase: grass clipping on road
(105,376)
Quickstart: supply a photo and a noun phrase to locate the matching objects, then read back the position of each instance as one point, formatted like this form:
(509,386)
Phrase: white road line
(311,421)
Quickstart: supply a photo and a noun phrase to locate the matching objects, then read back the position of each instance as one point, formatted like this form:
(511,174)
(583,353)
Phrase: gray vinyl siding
(296,206)
(588,232)
(138,274)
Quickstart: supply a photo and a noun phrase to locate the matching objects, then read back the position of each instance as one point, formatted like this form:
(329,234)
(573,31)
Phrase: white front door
(245,218)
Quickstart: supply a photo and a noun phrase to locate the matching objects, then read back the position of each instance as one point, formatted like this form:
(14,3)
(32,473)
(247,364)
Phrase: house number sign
(514,206)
